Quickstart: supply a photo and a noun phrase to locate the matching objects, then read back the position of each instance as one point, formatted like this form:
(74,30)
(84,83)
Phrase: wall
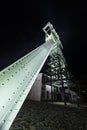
(35,92)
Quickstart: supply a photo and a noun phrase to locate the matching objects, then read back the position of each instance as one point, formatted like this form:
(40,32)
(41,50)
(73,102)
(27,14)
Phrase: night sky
(21,26)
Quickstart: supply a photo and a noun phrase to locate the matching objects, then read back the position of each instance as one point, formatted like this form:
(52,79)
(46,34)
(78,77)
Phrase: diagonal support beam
(16,81)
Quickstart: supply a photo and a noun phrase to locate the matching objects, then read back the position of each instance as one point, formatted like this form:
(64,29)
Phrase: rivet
(3,72)
(11,110)
(3,106)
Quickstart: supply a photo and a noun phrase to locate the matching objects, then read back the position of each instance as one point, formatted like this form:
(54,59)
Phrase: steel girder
(16,81)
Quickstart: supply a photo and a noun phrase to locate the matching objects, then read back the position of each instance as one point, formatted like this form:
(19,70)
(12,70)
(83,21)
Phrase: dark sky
(21,26)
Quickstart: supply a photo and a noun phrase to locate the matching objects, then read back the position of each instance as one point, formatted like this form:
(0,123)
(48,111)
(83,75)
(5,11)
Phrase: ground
(45,116)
